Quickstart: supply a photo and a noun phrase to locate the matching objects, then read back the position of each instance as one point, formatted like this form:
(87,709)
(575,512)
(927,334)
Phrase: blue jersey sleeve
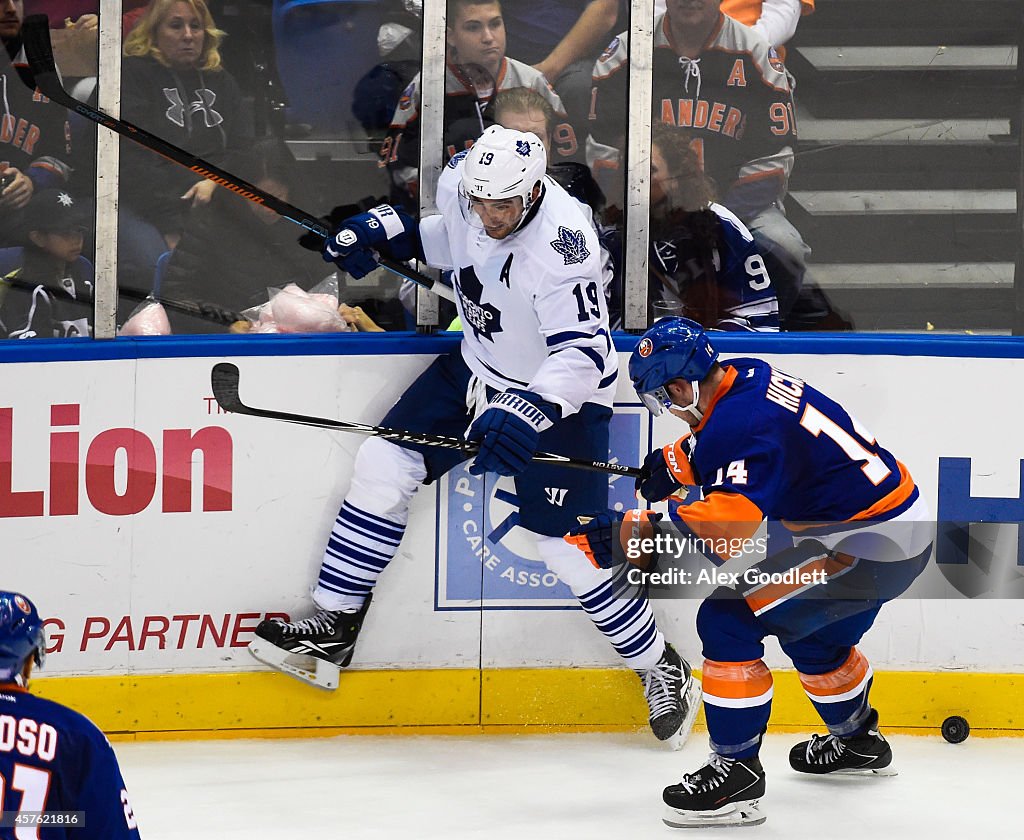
(750,299)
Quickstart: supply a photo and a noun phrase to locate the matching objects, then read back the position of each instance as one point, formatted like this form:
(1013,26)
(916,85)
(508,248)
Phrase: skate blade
(308,669)
(734,814)
(867,771)
(692,697)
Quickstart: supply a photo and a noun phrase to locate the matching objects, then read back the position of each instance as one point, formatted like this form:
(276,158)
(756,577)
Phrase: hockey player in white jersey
(535,371)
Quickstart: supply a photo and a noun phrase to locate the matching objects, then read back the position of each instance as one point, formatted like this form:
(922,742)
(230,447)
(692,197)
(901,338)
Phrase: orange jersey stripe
(892,500)
(847,679)
(767,595)
(888,502)
(720,391)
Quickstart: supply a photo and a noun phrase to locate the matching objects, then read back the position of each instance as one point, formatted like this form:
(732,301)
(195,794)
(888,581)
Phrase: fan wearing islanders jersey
(764,444)
(535,371)
(59,778)
(722,84)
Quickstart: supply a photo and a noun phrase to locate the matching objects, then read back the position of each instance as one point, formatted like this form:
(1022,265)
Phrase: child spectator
(49,295)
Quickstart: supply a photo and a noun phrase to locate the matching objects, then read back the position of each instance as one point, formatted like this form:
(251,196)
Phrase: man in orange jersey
(766,445)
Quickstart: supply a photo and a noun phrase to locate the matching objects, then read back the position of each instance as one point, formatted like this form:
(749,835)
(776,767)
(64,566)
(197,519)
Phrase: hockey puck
(955,729)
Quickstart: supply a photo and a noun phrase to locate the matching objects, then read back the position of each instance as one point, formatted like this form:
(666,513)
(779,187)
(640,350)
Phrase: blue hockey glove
(664,471)
(508,431)
(384,228)
(612,538)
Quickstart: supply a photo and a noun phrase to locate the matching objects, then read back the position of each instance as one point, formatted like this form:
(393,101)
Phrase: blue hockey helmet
(21,634)
(674,348)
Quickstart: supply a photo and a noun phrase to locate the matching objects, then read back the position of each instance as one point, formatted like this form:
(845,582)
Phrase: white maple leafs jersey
(532,305)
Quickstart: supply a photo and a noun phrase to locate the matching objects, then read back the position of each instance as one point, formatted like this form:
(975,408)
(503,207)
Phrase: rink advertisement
(485,560)
(155,531)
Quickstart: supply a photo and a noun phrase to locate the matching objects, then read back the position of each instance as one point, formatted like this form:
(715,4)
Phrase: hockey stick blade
(35,34)
(224,378)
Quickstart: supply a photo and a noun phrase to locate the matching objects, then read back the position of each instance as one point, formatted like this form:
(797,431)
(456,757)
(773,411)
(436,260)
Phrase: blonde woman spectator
(174,85)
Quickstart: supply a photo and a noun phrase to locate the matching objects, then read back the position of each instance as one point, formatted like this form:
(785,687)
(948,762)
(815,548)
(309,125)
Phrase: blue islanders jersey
(709,265)
(772,446)
(725,287)
(55,759)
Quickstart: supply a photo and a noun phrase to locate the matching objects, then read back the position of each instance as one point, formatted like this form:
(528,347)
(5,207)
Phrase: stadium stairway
(907,162)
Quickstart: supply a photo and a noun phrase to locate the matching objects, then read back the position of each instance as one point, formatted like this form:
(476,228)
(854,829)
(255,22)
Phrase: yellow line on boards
(460,701)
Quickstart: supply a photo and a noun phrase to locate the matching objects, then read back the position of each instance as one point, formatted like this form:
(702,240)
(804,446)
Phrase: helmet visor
(496,216)
(40,654)
(656,401)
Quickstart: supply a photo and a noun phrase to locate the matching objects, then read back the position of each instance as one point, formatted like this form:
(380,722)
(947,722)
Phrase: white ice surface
(589,786)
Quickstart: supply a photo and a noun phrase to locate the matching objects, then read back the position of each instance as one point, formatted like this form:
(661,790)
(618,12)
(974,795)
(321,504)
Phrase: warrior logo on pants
(484,558)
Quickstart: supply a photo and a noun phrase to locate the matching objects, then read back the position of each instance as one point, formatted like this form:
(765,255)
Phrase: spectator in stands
(399,45)
(232,250)
(476,69)
(775,20)
(49,293)
(723,83)
(702,258)
(524,109)
(34,146)
(174,85)
(562,39)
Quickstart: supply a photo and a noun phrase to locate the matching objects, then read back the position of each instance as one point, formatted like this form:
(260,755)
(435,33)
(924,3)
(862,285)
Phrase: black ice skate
(724,792)
(673,697)
(858,755)
(314,649)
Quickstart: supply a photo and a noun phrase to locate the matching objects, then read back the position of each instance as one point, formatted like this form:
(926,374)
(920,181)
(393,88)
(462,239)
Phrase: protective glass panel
(269,103)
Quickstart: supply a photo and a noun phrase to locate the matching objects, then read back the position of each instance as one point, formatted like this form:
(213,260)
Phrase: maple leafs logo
(571,244)
(483,318)
(456,158)
(523,148)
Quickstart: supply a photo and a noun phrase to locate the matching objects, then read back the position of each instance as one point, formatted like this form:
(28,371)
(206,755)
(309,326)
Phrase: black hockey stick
(202,309)
(35,34)
(224,379)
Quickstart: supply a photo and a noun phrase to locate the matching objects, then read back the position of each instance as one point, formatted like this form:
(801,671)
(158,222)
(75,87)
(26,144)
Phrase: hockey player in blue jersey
(764,444)
(535,370)
(53,761)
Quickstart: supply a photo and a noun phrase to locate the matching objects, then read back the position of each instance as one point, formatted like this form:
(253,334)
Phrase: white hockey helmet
(504,163)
